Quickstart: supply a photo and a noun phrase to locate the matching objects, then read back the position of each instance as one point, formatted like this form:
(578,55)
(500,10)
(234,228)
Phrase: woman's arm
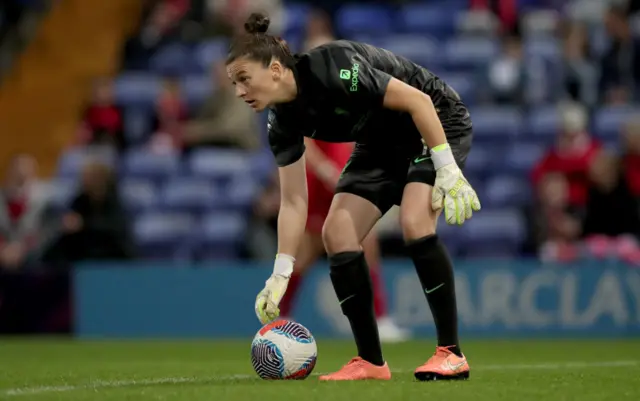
(292,218)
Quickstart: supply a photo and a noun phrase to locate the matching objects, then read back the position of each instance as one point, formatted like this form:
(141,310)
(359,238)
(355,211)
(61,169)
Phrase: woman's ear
(276,70)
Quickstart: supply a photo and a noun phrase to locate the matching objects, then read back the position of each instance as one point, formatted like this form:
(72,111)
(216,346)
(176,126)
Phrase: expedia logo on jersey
(355,70)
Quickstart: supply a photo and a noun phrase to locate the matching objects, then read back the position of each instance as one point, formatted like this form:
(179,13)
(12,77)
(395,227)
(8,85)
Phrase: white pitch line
(106,384)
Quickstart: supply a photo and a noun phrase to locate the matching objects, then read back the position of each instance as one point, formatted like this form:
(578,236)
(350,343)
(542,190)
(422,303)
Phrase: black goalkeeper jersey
(341,87)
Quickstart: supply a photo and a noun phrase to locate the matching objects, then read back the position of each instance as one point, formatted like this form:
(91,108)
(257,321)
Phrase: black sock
(435,271)
(352,283)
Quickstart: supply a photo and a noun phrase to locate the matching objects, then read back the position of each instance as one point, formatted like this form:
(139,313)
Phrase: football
(283,350)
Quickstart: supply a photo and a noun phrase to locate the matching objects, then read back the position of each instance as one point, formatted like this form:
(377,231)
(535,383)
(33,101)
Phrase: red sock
(286,304)
(379,296)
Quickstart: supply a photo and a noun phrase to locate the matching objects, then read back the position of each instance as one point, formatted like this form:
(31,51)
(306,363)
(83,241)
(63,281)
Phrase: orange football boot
(359,369)
(443,365)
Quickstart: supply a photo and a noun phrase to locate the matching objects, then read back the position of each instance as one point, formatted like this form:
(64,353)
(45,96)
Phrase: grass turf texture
(220,370)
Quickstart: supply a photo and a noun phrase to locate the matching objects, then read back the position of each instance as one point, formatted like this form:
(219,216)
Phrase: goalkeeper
(412,133)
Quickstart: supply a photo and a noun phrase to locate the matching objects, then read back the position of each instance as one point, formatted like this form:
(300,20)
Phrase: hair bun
(257,23)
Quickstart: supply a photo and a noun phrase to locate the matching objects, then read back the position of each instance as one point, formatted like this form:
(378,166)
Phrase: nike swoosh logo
(347,298)
(421,159)
(433,289)
(456,366)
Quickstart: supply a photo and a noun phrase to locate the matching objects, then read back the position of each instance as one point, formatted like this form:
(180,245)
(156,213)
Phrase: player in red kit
(325,161)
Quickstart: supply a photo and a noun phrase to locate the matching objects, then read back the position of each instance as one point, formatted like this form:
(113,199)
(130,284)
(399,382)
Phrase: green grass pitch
(67,370)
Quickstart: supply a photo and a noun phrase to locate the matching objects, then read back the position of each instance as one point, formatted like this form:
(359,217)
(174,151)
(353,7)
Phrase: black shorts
(379,178)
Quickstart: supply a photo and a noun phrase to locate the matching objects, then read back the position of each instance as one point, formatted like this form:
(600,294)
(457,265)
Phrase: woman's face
(257,85)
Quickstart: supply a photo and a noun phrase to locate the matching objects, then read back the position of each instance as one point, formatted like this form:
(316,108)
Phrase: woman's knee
(417,225)
(338,236)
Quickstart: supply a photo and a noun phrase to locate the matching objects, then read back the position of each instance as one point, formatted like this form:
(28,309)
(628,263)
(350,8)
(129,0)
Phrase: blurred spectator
(507,75)
(555,224)
(572,154)
(505,10)
(102,121)
(95,228)
(169,118)
(262,242)
(612,221)
(580,74)
(631,157)
(23,211)
(227,17)
(224,120)
(620,65)
(161,27)
(319,30)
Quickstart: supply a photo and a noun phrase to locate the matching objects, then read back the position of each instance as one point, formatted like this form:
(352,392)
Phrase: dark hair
(257,45)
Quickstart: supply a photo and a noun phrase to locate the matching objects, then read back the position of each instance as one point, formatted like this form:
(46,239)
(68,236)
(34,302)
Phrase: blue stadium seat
(197,88)
(210,52)
(503,230)
(240,192)
(425,18)
(470,52)
(220,235)
(498,123)
(142,163)
(138,194)
(461,83)
(136,89)
(72,161)
(416,48)
(544,123)
(296,16)
(546,48)
(609,120)
(173,59)
(162,235)
(522,157)
(61,192)
(481,160)
(188,194)
(219,163)
(503,191)
(137,125)
(353,18)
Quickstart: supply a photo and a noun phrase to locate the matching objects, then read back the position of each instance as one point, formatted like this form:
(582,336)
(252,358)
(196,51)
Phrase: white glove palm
(452,192)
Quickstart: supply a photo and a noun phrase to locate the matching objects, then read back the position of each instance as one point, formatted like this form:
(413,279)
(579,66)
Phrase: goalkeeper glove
(451,191)
(269,298)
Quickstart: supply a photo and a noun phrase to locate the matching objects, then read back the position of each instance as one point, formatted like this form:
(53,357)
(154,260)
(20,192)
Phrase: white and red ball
(284,350)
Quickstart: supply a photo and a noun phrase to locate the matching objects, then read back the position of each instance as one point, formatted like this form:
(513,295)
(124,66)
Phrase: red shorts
(320,196)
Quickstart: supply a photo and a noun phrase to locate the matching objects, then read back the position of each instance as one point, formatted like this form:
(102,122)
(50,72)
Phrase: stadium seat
(240,192)
(209,52)
(503,191)
(522,157)
(219,163)
(220,235)
(61,192)
(427,19)
(609,120)
(188,194)
(543,47)
(499,123)
(136,89)
(416,48)
(141,163)
(197,89)
(162,235)
(72,161)
(470,52)
(353,18)
(138,194)
(503,228)
(544,124)
(461,83)
(137,125)
(295,19)
(481,160)
(174,59)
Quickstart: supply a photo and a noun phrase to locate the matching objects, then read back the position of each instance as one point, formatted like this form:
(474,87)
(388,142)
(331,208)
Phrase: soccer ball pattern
(283,350)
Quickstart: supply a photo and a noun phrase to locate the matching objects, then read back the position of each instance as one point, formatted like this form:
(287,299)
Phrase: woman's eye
(243,79)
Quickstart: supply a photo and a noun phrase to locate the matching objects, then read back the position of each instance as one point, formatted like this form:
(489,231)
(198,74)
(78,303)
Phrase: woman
(392,108)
